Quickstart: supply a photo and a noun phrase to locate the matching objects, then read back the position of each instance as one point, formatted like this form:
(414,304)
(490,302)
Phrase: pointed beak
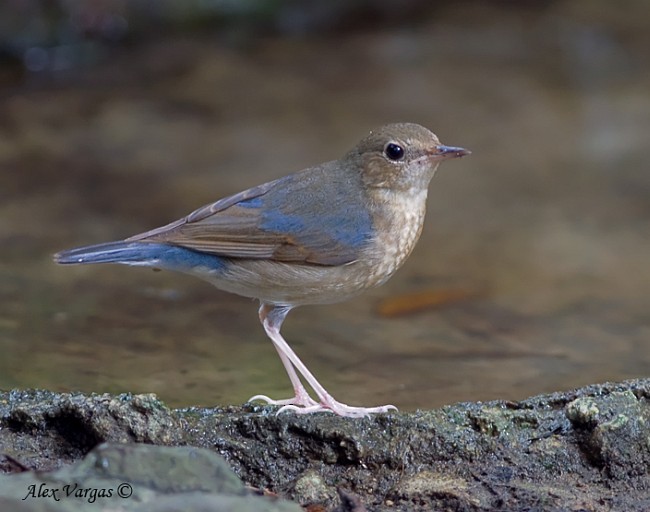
(443,152)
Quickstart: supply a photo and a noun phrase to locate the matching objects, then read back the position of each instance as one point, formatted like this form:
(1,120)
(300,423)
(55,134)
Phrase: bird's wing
(291,219)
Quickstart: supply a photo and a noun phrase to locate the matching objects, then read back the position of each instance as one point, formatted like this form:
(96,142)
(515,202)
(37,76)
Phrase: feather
(302,217)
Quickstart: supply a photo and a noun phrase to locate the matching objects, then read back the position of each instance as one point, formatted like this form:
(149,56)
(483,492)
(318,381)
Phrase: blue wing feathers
(317,216)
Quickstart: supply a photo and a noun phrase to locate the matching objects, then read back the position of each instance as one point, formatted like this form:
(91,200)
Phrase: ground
(584,450)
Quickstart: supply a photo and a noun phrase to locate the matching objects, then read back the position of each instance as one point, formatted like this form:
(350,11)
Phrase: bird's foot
(302,403)
(328,404)
(301,400)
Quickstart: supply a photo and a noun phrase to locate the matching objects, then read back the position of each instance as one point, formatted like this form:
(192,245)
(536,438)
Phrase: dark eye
(394,151)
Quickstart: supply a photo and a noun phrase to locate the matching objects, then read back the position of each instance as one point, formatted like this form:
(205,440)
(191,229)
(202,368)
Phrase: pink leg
(302,397)
(272,318)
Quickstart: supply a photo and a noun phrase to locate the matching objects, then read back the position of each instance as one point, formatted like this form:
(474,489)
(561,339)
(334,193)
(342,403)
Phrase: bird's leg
(302,397)
(272,318)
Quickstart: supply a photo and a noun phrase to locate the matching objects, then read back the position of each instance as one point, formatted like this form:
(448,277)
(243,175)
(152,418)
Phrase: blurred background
(533,271)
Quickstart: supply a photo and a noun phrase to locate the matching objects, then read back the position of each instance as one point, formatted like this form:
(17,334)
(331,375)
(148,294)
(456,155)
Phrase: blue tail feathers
(142,254)
(111,252)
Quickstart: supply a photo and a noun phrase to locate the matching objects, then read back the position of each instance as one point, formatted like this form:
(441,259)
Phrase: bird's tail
(132,253)
(142,254)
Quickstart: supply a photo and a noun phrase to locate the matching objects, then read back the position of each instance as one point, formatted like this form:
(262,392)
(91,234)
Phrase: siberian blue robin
(319,236)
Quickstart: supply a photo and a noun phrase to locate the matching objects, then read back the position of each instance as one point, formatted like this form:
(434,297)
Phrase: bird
(318,236)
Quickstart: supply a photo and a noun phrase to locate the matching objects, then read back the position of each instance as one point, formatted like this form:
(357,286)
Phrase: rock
(48,429)
(613,433)
(310,489)
(136,477)
(583,449)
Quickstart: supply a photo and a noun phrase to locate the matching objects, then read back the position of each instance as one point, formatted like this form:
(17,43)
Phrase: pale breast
(399,225)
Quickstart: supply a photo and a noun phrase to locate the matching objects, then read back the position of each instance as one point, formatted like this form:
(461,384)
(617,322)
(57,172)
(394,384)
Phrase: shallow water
(536,249)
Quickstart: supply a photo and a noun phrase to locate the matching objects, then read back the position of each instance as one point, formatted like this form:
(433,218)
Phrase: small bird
(318,236)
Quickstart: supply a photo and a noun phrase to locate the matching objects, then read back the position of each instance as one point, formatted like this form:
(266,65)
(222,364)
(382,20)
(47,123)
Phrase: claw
(297,401)
(307,405)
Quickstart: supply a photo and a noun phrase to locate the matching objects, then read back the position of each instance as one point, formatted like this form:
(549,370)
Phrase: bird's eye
(394,151)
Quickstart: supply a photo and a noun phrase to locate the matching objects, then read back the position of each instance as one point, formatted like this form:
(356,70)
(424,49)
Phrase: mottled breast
(398,219)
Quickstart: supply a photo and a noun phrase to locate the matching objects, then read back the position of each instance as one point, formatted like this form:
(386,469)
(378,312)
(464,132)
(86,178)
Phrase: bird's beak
(442,152)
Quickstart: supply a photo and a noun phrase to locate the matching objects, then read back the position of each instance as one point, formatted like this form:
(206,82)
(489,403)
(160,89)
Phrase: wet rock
(583,449)
(425,484)
(46,429)
(136,477)
(613,433)
(349,502)
(310,488)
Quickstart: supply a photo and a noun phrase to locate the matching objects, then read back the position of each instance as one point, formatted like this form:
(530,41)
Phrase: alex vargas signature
(91,494)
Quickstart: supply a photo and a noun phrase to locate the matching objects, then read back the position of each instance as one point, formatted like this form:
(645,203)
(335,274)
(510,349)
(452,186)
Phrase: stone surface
(586,449)
(136,477)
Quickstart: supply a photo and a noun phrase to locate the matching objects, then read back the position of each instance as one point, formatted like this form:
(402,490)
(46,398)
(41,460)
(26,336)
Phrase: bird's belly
(289,283)
(300,284)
